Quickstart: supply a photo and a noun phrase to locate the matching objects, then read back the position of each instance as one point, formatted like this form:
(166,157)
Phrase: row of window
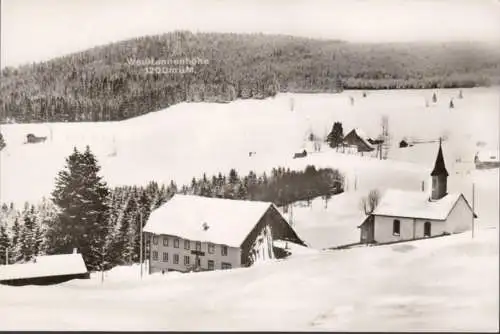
(187,260)
(187,245)
(396,228)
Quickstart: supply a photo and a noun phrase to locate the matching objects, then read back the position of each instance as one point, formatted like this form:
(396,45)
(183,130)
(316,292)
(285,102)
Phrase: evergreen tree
(336,136)
(81,196)
(4,244)
(233,176)
(46,218)
(434,98)
(27,237)
(452,105)
(15,254)
(2,142)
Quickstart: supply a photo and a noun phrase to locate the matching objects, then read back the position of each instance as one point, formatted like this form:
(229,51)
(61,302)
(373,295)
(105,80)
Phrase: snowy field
(186,140)
(437,284)
(189,139)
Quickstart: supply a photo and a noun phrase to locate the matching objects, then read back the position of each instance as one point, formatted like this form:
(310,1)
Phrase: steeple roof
(439,167)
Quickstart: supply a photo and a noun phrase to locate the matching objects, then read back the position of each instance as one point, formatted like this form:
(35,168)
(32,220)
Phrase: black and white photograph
(251,165)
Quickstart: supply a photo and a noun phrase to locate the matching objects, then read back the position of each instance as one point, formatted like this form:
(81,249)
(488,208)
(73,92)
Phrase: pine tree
(81,196)
(336,136)
(4,244)
(2,142)
(233,176)
(15,251)
(45,219)
(434,98)
(27,237)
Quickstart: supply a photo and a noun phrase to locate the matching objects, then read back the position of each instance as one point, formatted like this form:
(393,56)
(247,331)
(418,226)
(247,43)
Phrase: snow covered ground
(440,284)
(191,139)
(187,140)
(446,283)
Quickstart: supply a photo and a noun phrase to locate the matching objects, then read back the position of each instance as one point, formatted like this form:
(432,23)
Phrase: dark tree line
(104,224)
(100,84)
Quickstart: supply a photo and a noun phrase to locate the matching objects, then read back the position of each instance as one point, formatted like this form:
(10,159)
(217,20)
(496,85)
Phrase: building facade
(172,253)
(194,233)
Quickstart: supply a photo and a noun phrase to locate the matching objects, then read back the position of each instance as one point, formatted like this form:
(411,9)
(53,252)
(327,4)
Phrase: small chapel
(409,215)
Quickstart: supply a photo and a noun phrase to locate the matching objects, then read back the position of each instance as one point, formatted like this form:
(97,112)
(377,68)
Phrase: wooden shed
(45,270)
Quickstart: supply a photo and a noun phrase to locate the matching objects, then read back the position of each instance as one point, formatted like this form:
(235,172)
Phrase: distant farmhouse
(487,159)
(32,139)
(193,233)
(404,215)
(45,270)
(358,140)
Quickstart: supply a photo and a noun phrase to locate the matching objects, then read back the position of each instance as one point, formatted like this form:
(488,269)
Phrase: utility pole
(140,252)
(473,211)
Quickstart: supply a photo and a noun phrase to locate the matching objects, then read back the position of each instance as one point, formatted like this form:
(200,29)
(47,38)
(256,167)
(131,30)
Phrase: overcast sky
(35,30)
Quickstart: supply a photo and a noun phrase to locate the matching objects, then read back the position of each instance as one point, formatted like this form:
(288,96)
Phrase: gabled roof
(362,135)
(229,221)
(413,204)
(45,266)
(439,167)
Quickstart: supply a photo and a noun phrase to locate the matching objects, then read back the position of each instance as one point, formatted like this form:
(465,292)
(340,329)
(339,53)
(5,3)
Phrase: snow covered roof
(488,156)
(361,134)
(228,221)
(47,265)
(413,204)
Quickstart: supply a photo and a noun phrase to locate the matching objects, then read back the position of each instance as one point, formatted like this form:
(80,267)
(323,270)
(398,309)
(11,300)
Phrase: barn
(45,270)
(192,233)
(487,159)
(356,138)
(406,215)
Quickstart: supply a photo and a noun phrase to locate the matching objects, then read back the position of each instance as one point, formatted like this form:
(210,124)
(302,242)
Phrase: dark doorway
(427,229)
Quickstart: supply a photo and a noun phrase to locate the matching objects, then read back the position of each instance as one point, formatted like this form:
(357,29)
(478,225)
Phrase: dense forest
(133,77)
(104,224)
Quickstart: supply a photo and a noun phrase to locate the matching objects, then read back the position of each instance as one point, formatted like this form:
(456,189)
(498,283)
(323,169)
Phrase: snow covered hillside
(448,284)
(187,140)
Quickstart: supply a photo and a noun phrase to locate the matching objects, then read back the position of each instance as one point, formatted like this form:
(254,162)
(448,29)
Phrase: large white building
(405,215)
(200,233)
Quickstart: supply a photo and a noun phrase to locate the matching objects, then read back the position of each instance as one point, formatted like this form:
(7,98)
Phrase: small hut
(45,270)
(403,143)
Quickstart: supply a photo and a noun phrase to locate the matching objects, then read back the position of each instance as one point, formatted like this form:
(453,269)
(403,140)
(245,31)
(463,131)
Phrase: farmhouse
(45,270)
(487,159)
(32,139)
(403,215)
(199,233)
(358,140)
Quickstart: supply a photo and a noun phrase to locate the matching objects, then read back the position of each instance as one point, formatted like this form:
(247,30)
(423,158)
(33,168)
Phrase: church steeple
(439,176)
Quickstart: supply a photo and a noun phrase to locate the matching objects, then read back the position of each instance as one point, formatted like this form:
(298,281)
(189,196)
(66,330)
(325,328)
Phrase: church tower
(439,176)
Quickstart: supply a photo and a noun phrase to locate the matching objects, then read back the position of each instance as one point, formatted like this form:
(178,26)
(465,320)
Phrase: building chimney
(75,251)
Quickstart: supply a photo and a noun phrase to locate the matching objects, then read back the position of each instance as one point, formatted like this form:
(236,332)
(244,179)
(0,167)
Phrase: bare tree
(385,136)
(370,202)
(326,198)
